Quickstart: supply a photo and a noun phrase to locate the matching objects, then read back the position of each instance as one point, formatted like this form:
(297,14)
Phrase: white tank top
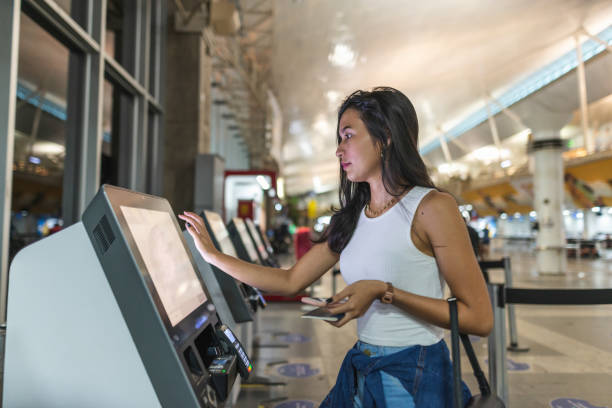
(381,248)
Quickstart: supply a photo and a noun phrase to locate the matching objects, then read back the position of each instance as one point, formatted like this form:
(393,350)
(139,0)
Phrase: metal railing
(502,296)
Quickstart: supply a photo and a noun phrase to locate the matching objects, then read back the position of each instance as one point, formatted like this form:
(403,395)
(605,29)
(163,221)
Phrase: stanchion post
(497,344)
(514,346)
(334,287)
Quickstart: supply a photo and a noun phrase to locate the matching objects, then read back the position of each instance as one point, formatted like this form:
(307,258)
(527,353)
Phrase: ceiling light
(468,207)
(505,164)
(533,214)
(333,97)
(503,216)
(280,185)
(579,215)
(47,148)
(321,126)
(517,215)
(566,212)
(296,127)
(316,181)
(34,160)
(453,169)
(596,209)
(489,154)
(610,210)
(278,206)
(324,219)
(342,56)
(263,183)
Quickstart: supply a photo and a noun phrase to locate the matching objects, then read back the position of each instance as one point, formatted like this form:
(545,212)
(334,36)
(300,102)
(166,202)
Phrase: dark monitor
(265,240)
(258,243)
(216,227)
(242,241)
(237,294)
(245,249)
(164,301)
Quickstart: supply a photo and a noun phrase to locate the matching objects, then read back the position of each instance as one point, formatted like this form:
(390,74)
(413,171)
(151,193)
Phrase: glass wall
(40,136)
(82,107)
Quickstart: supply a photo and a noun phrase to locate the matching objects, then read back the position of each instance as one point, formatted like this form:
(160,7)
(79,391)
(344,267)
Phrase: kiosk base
(67,344)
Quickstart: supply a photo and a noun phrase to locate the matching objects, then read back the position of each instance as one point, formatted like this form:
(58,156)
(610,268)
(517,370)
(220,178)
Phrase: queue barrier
(501,295)
(504,264)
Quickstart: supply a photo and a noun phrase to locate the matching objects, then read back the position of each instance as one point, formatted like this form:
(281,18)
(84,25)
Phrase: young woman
(398,239)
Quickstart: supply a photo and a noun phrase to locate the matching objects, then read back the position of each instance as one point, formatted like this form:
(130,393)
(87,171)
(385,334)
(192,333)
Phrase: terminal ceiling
(449,58)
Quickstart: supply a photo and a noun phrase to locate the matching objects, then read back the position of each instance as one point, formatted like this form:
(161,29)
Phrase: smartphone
(319,302)
(323,313)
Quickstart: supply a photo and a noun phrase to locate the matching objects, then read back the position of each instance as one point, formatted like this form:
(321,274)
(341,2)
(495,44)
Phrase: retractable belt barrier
(501,295)
(504,264)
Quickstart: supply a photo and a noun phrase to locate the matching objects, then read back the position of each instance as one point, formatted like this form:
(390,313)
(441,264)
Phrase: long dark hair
(388,115)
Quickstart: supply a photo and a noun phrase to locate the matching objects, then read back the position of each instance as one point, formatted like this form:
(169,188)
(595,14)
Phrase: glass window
(117,125)
(154,56)
(40,136)
(108,174)
(118,35)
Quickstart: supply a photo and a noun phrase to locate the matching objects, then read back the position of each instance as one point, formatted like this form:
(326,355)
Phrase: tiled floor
(569,363)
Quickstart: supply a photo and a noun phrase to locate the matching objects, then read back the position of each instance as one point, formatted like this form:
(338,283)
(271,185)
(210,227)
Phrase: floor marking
(598,360)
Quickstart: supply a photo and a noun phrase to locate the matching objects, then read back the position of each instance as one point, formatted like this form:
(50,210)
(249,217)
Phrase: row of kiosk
(121,310)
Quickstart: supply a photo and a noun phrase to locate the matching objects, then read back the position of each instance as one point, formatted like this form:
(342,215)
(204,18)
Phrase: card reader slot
(203,342)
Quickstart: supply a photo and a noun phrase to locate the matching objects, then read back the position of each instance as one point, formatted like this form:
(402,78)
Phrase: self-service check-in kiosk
(242,241)
(111,312)
(262,253)
(222,241)
(267,245)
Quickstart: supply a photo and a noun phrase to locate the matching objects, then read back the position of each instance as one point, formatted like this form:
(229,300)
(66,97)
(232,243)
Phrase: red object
(230,173)
(279,298)
(302,241)
(302,245)
(245,209)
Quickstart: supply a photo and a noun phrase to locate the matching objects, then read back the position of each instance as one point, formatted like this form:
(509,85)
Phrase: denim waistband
(374,350)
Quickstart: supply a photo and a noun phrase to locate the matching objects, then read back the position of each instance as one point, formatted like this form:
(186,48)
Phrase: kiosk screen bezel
(246,239)
(220,233)
(259,245)
(200,316)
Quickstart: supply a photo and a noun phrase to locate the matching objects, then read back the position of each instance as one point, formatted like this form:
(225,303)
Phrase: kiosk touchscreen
(265,240)
(257,242)
(240,297)
(245,249)
(267,246)
(134,322)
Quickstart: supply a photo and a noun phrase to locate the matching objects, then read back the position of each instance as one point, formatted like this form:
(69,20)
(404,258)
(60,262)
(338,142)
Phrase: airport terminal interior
(117,115)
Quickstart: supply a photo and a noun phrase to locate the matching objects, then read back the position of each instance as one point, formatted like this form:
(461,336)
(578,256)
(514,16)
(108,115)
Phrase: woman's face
(358,154)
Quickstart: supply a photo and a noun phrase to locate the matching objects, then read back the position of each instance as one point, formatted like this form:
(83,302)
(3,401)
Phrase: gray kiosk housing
(88,325)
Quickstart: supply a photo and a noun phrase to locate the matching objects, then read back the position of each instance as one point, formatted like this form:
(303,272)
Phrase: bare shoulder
(438,215)
(437,203)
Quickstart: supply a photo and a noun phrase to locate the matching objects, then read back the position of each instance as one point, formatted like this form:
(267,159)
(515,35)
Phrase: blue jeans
(432,377)
(395,393)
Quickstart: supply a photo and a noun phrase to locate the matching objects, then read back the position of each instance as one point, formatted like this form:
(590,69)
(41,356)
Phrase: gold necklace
(374,214)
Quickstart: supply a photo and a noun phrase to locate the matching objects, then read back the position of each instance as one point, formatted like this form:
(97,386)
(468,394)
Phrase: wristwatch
(388,296)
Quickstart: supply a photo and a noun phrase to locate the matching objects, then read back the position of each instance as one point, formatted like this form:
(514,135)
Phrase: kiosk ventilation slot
(103,234)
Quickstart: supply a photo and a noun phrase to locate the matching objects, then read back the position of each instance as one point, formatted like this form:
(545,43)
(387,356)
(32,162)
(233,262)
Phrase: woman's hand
(360,296)
(196,228)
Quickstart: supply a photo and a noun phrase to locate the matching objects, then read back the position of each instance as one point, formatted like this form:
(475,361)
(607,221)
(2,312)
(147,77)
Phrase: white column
(548,201)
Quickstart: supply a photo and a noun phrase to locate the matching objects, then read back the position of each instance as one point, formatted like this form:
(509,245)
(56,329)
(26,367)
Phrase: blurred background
(231,105)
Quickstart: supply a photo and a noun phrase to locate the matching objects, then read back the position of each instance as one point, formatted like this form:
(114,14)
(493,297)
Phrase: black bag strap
(456,352)
(483,384)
